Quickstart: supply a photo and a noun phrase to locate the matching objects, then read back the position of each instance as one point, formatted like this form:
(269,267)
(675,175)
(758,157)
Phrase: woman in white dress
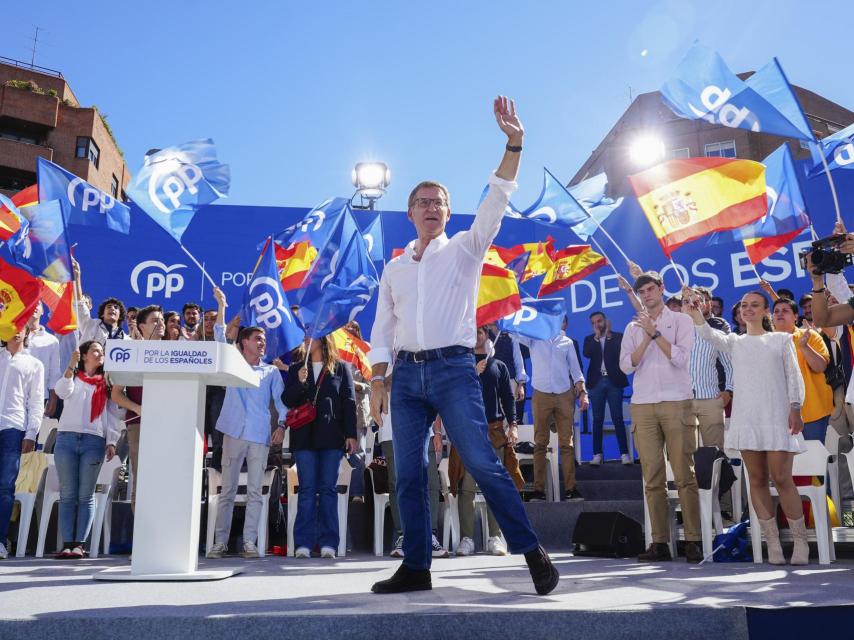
(766,423)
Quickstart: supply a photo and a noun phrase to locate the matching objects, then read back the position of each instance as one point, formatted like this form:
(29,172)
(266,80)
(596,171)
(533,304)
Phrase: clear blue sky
(294,93)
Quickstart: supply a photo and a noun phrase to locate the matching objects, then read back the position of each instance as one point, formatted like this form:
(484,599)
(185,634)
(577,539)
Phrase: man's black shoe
(537,496)
(657,552)
(405,579)
(543,572)
(693,552)
(572,494)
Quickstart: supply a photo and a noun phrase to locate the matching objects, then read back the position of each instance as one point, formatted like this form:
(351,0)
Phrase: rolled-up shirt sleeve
(219,333)
(487,221)
(627,348)
(680,350)
(382,333)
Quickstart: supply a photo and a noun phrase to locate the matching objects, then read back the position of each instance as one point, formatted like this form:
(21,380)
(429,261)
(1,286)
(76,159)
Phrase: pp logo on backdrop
(119,354)
(266,303)
(717,110)
(90,197)
(159,278)
(170,179)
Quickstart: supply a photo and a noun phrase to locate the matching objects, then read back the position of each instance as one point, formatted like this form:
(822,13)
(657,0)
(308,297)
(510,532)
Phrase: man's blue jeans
(10,463)
(450,387)
(78,458)
(318,475)
(606,391)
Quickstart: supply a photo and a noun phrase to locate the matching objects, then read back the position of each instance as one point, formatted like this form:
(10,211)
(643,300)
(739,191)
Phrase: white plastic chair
(451,527)
(831,442)
(107,479)
(214,488)
(28,505)
(526,434)
(813,462)
(50,496)
(345,472)
(47,435)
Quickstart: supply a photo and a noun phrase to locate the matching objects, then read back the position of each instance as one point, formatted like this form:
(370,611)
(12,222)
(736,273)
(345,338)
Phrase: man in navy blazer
(605,383)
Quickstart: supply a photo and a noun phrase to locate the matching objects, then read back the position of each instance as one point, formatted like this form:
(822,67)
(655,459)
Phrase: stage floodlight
(371,180)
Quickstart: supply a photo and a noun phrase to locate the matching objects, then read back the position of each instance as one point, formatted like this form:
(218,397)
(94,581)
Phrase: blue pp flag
(705,88)
(374,239)
(838,150)
(540,319)
(41,246)
(316,226)
(787,211)
(518,265)
(82,204)
(266,305)
(340,283)
(590,194)
(510,210)
(175,181)
(555,207)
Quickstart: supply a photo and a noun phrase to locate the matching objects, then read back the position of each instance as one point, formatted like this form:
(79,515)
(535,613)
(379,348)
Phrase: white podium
(174,375)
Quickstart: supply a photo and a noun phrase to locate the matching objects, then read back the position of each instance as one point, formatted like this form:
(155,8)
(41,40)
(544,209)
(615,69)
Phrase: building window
(86,148)
(804,144)
(720,149)
(114,187)
(682,152)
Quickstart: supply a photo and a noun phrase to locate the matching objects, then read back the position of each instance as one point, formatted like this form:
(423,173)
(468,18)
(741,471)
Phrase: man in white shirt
(21,413)
(558,381)
(426,316)
(44,347)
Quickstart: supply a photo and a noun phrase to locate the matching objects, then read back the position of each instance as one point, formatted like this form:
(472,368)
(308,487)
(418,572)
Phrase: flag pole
(605,255)
(678,274)
(198,264)
(830,182)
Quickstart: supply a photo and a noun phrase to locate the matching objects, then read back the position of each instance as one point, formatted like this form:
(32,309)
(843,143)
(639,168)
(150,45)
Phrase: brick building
(648,116)
(41,117)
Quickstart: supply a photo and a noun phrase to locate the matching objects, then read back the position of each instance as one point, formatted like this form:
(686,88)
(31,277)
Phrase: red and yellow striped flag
(353,350)
(541,260)
(497,295)
(58,296)
(9,222)
(26,197)
(760,248)
(571,264)
(686,198)
(293,263)
(19,295)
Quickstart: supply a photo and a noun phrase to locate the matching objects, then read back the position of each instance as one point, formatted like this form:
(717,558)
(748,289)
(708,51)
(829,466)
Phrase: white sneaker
(327,552)
(596,460)
(466,547)
(3,553)
(397,551)
(438,550)
(626,460)
(250,550)
(495,546)
(302,552)
(218,550)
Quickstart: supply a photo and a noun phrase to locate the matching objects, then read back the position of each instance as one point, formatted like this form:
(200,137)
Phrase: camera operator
(842,313)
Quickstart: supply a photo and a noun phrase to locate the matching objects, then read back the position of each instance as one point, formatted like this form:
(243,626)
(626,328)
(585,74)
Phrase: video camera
(826,256)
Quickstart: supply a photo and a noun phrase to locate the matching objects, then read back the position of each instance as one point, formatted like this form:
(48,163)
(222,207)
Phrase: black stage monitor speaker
(609,534)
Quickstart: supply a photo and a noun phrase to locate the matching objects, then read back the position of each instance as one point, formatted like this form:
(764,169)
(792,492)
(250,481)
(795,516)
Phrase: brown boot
(801,550)
(772,540)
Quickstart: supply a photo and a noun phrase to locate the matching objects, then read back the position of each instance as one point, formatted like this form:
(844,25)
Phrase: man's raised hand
(505,116)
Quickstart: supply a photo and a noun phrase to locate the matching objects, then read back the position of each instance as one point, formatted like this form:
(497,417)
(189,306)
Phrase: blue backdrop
(148,266)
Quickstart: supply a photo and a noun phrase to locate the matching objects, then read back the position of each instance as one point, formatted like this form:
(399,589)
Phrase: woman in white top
(766,423)
(88,430)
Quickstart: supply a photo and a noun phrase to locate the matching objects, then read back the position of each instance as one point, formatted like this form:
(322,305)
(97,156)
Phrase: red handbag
(305,413)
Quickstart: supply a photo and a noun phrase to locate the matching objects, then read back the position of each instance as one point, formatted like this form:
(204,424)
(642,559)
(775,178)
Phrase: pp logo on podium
(118,354)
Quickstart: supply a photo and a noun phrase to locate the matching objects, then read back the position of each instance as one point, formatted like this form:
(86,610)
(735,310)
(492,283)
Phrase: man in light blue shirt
(245,424)
(557,380)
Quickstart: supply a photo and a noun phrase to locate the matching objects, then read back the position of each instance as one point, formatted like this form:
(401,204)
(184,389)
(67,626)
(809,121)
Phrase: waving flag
(571,264)
(59,298)
(510,210)
(704,87)
(537,319)
(786,216)
(10,218)
(82,204)
(293,263)
(353,350)
(42,247)
(686,198)
(590,194)
(539,262)
(175,181)
(341,281)
(497,295)
(519,266)
(838,150)
(555,206)
(266,305)
(374,238)
(19,295)
(317,225)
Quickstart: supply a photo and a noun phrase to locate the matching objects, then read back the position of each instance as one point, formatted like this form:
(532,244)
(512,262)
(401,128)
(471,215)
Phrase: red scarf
(99,398)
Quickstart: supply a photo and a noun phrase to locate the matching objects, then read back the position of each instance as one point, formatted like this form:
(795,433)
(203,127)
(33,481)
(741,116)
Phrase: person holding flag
(426,316)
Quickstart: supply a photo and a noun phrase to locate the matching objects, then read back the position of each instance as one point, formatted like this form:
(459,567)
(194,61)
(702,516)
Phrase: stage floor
(482,594)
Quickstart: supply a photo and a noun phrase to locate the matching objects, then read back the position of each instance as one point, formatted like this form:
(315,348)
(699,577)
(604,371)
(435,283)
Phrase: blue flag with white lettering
(266,305)
(316,226)
(590,194)
(540,319)
(838,150)
(341,281)
(41,246)
(555,207)
(704,87)
(177,180)
(82,204)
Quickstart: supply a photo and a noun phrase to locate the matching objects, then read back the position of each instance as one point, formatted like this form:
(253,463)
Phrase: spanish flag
(353,350)
(497,295)
(570,265)
(293,263)
(760,248)
(19,295)
(26,197)
(686,198)
(9,222)
(58,296)
(541,260)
